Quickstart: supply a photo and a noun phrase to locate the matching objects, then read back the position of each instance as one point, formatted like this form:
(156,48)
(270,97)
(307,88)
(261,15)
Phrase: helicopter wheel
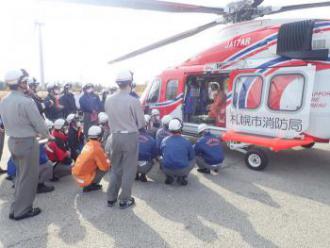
(308,146)
(256,159)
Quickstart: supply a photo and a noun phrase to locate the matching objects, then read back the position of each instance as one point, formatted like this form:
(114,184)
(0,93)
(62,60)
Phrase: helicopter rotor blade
(299,6)
(167,41)
(152,5)
(256,3)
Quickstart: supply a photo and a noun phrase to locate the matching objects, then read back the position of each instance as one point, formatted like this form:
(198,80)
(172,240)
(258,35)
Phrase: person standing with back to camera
(125,119)
(23,123)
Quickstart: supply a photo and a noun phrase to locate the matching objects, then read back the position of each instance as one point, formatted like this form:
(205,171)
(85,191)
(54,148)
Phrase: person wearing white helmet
(33,86)
(90,105)
(104,95)
(125,119)
(54,109)
(23,123)
(133,93)
(92,163)
(75,135)
(178,157)
(68,101)
(163,132)
(208,150)
(147,153)
(155,121)
(103,123)
(217,110)
(60,144)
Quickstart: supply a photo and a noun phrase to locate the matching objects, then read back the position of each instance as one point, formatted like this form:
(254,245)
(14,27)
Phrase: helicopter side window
(286,92)
(247,92)
(154,91)
(172,89)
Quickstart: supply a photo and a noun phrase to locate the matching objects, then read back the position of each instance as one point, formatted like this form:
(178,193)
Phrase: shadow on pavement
(58,216)
(189,210)
(288,171)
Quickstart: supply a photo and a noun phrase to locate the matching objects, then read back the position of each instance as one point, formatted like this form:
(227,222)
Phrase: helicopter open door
(272,102)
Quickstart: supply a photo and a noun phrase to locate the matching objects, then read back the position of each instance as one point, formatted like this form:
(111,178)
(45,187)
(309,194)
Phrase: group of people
(48,139)
(205,99)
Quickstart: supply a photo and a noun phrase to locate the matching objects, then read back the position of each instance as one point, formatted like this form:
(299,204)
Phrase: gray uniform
(23,123)
(125,119)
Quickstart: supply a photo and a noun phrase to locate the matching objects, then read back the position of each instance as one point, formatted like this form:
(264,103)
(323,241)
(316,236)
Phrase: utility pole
(41,55)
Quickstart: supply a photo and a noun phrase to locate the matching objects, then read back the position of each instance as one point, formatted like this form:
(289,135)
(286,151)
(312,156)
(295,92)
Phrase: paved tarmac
(287,205)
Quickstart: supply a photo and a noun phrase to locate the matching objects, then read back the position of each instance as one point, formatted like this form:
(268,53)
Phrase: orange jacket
(92,157)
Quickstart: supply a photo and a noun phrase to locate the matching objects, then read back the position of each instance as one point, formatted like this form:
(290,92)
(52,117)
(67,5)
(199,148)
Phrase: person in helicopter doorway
(103,120)
(92,163)
(154,123)
(178,157)
(208,150)
(191,100)
(147,153)
(68,101)
(54,109)
(163,132)
(75,135)
(217,110)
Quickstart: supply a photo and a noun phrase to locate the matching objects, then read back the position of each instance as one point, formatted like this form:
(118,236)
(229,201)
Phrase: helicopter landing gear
(255,158)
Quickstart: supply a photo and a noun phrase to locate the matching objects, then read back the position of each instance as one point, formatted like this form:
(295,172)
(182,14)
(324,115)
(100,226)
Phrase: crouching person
(45,172)
(178,157)
(163,132)
(75,135)
(208,150)
(92,163)
(58,151)
(147,154)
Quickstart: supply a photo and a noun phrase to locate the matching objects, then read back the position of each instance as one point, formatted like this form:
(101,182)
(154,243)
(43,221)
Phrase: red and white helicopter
(274,75)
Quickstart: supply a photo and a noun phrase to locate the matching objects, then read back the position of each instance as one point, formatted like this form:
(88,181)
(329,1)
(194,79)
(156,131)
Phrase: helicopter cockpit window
(286,92)
(247,92)
(154,91)
(172,89)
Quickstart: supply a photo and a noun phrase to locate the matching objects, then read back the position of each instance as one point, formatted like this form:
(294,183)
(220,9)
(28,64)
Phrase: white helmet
(15,77)
(215,84)
(88,85)
(166,120)
(51,86)
(155,112)
(49,124)
(94,132)
(103,117)
(202,128)
(70,118)
(59,124)
(175,125)
(32,81)
(147,118)
(124,77)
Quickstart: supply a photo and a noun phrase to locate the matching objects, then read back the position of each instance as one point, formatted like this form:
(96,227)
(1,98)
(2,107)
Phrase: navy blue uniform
(209,148)
(147,147)
(69,104)
(89,103)
(161,134)
(177,152)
